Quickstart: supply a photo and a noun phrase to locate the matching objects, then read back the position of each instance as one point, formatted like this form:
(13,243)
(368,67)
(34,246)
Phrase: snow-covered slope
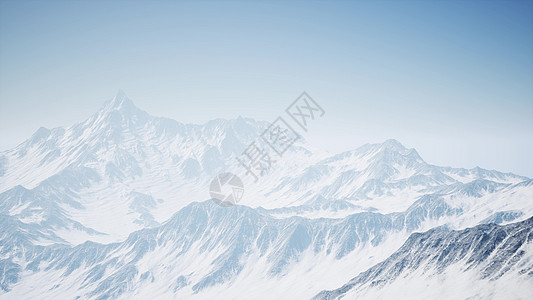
(484,262)
(208,245)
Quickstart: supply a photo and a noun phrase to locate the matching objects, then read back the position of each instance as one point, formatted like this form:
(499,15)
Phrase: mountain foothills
(117,206)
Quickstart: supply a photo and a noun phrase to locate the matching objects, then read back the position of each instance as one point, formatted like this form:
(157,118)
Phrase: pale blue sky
(452,79)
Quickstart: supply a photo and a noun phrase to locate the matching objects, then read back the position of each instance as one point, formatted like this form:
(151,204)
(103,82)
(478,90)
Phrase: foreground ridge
(490,251)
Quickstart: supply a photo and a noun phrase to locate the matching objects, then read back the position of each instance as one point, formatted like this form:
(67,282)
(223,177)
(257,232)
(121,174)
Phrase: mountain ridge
(121,151)
(491,248)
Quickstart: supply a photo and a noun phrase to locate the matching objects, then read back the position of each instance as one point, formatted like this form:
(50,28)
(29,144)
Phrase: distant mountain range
(117,206)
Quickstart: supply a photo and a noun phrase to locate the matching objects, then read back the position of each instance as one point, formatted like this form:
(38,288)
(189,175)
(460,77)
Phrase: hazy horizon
(452,80)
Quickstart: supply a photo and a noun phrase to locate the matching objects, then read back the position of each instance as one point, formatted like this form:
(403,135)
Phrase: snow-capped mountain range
(118,206)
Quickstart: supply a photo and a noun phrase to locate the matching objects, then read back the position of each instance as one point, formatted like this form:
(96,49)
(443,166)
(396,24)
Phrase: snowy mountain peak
(120,101)
(121,104)
(119,113)
(40,134)
(393,144)
(390,151)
